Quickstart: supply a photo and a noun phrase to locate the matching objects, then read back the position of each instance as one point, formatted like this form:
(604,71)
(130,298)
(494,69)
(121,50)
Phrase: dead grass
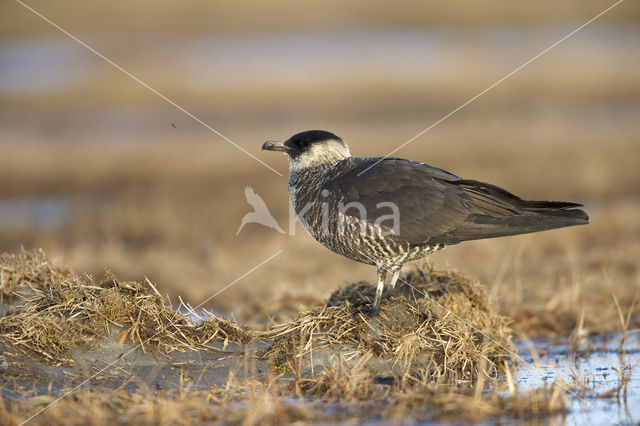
(273,405)
(167,407)
(442,324)
(54,310)
(25,273)
(428,356)
(333,354)
(464,406)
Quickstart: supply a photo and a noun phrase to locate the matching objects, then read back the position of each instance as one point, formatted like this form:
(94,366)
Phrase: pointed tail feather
(479,226)
(530,204)
(495,212)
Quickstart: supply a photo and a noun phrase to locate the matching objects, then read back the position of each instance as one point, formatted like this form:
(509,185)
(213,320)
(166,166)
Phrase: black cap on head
(311,136)
(300,142)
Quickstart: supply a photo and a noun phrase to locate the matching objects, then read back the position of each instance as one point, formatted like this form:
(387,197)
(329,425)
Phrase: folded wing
(437,207)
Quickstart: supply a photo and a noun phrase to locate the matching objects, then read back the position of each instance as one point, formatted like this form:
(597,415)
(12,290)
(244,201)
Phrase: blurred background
(104,174)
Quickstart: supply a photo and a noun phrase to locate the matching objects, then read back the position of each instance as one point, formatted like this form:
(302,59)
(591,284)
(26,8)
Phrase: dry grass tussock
(271,405)
(454,332)
(422,358)
(54,310)
(440,322)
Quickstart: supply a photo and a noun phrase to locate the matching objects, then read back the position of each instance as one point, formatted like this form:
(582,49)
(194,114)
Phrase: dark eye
(301,143)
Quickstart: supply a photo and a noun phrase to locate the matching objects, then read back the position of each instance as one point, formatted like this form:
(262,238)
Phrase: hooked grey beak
(275,146)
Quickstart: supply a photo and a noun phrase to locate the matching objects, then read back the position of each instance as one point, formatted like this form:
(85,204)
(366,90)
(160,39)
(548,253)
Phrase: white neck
(320,155)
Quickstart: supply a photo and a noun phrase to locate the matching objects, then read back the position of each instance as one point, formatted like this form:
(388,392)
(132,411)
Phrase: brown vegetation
(440,323)
(153,196)
(438,339)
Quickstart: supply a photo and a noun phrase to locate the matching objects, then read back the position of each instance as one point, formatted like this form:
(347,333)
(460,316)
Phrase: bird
(260,213)
(386,211)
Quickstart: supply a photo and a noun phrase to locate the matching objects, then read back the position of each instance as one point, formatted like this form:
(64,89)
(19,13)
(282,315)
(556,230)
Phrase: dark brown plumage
(437,207)
(434,207)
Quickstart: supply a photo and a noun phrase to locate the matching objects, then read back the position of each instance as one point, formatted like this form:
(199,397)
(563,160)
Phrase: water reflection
(596,367)
(33,212)
(306,58)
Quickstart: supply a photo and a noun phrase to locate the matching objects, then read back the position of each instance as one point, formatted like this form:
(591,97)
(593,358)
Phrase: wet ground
(594,370)
(33,212)
(285,62)
(600,374)
(293,58)
(578,103)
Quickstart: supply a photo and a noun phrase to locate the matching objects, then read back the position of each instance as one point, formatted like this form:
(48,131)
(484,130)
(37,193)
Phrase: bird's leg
(394,279)
(375,306)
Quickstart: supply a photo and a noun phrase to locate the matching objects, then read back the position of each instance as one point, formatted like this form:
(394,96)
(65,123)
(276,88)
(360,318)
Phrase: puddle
(303,58)
(236,64)
(196,315)
(594,365)
(41,65)
(33,212)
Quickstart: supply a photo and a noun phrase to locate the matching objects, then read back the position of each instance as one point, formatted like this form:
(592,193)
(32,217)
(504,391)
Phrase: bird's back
(434,207)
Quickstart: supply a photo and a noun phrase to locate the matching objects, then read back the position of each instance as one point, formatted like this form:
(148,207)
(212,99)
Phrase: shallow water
(34,212)
(304,58)
(255,66)
(594,363)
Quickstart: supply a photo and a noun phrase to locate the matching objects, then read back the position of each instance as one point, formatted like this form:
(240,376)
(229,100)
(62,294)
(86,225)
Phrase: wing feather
(437,207)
